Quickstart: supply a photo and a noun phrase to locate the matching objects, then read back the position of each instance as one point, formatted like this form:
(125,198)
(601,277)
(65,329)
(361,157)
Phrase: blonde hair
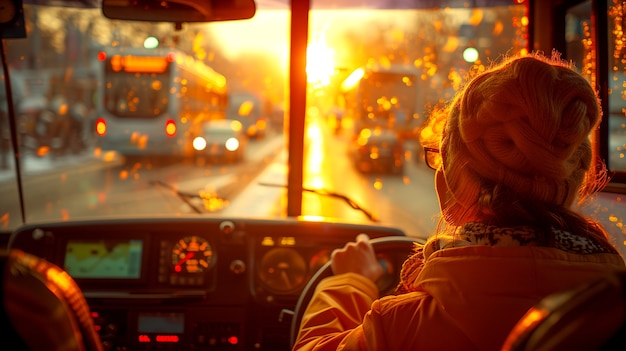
(515,147)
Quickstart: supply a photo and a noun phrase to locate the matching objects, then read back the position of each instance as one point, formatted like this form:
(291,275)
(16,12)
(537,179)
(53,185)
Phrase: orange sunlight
(320,65)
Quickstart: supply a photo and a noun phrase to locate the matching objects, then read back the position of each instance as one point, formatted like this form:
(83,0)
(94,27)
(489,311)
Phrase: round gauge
(8,10)
(283,269)
(192,254)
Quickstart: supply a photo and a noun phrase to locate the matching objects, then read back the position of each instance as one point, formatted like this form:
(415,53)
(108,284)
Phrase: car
(378,150)
(221,141)
(172,256)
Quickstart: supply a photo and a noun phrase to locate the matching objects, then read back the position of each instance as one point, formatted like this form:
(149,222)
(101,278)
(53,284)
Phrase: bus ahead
(155,102)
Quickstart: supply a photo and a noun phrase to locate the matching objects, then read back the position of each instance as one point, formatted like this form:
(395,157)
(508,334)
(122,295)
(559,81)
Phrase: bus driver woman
(515,156)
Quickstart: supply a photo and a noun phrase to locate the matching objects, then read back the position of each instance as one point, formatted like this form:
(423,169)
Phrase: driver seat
(42,307)
(590,317)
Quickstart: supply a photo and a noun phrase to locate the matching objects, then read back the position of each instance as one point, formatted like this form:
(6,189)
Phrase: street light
(151,43)
(470,54)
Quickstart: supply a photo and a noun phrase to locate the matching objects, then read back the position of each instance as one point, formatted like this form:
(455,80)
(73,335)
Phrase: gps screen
(103,259)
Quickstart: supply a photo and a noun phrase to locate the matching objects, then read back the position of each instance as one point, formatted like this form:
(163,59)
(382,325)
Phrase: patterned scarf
(481,234)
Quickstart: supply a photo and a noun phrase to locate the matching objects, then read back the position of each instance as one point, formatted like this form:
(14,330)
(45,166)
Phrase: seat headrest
(43,306)
(589,317)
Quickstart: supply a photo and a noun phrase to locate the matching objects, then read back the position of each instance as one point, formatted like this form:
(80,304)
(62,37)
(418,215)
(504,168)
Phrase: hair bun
(524,124)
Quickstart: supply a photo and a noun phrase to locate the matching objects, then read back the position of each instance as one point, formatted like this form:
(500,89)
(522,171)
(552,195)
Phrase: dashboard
(196,283)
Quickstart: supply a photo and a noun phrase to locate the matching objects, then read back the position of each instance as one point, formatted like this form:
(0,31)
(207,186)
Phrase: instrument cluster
(186,261)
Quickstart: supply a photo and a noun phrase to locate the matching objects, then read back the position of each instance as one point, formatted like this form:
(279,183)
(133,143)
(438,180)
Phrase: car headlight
(199,143)
(232,144)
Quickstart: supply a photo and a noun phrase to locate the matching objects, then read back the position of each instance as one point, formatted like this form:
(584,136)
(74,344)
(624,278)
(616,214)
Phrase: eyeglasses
(432,156)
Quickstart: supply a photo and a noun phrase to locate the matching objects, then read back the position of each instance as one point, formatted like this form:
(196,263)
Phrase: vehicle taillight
(101,127)
(170,128)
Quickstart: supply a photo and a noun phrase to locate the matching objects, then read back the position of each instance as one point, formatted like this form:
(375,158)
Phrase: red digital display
(167,338)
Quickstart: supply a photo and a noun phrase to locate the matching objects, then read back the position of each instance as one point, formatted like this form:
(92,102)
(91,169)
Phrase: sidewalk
(39,165)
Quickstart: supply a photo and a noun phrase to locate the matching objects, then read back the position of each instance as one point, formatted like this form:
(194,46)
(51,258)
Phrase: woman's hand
(357,257)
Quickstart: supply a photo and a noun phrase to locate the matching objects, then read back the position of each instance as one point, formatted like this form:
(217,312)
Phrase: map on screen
(102,259)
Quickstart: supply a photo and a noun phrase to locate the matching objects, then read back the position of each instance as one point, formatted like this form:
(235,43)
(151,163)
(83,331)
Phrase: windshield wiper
(324,192)
(185,197)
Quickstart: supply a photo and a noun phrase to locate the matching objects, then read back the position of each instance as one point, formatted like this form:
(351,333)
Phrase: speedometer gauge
(192,254)
(283,269)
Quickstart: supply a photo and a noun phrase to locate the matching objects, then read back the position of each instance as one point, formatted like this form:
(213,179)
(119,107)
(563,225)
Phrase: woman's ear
(452,212)
(447,204)
(442,189)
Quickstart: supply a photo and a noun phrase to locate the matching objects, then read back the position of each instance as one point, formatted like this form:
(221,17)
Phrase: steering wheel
(382,246)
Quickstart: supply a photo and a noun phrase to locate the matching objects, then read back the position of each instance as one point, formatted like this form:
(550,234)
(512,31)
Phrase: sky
(269,30)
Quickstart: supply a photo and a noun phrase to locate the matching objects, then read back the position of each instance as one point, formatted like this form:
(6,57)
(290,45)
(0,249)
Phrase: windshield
(108,110)
(196,177)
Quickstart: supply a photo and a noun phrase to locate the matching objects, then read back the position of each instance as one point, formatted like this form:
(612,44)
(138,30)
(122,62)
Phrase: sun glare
(320,64)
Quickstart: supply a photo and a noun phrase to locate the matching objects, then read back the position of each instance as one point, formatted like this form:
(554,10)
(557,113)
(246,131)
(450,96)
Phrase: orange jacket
(469,298)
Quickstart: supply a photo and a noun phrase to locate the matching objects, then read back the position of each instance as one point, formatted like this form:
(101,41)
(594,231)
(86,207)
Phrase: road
(407,200)
(92,184)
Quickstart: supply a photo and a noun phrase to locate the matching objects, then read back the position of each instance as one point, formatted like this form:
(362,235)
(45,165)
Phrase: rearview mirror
(179,11)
